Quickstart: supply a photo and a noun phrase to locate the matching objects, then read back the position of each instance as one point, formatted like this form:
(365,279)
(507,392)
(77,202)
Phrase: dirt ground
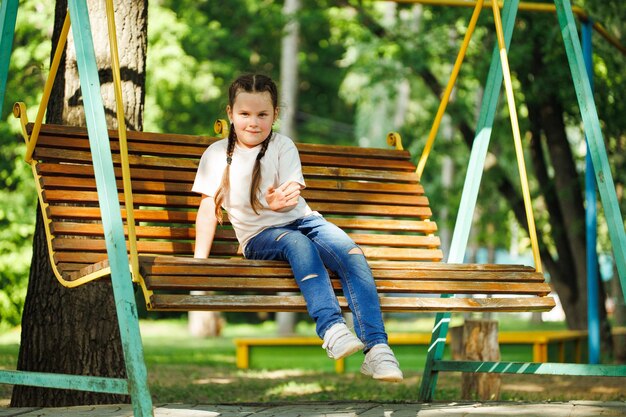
(559,388)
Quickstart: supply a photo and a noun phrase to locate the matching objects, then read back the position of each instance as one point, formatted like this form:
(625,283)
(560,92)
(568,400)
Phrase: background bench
(560,346)
(373,194)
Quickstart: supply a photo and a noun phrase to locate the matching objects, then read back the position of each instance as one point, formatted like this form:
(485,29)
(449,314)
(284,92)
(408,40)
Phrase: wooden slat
(76,257)
(355,162)
(340,150)
(69,189)
(134,148)
(177,201)
(189,233)
(372,210)
(380,187)
(143,215)
(260,271)
(277,284)
(139,186)
(427,266)
(81,132)
(143,232)
(180,217)
(359,174)
(140,199)
(53,154)
(179,247)
(143,246)
(153,174)
(271,303)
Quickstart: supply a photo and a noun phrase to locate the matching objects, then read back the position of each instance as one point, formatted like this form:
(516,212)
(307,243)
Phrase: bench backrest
(373,194)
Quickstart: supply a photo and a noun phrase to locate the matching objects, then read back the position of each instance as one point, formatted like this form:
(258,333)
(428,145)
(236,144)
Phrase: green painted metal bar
(65,381)
(595,140)
(575,369)
(591,221)
(110,210)
(434,354)
(8,16)
(469,196)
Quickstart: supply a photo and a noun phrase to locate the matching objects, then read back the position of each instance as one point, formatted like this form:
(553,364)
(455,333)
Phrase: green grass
(183,369)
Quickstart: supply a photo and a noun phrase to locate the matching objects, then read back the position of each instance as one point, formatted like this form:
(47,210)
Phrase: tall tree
(75,331)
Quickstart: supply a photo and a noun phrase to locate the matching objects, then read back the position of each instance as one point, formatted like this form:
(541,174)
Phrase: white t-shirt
(280,164)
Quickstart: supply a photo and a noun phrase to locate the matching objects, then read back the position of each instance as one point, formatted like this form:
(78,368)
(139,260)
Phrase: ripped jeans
(310,245)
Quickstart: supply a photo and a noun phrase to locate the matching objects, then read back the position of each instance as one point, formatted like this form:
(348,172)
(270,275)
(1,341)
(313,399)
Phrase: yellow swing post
(121,128)
(448,91)
(517,137)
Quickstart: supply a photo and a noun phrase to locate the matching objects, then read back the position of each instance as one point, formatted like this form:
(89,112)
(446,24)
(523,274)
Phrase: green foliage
(18,197)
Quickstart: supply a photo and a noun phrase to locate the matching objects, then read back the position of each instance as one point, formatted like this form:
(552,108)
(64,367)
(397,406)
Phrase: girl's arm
(206,223)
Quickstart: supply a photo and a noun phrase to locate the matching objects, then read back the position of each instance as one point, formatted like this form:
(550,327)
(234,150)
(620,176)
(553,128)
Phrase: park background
(364,69)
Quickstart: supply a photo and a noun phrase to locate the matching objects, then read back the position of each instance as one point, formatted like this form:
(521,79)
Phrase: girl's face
(252,115)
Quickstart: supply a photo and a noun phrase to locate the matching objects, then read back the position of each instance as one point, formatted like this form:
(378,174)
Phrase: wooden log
(477,340)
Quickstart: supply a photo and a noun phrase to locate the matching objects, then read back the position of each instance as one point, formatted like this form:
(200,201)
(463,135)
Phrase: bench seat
(373,194)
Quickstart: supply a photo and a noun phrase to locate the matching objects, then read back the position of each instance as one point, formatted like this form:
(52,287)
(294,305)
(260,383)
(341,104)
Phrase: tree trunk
(477,340)
(289,69)
(286,321)
(75,331)
(204,323)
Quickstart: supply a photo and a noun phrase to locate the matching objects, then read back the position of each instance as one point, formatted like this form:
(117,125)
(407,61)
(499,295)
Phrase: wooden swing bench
(371,193)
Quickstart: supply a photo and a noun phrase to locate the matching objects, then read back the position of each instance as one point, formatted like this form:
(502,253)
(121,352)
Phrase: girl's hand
(285,197)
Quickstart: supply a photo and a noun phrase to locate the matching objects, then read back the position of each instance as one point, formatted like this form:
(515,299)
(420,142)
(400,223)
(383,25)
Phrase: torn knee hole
(282,235)
(310,276)
(355,251)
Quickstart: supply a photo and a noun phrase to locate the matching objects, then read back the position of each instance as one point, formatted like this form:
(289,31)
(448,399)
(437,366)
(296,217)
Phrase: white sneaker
(380,363)
(339,341)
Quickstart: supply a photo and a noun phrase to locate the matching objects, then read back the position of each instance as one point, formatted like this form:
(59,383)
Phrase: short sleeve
(210,170)
(289,165)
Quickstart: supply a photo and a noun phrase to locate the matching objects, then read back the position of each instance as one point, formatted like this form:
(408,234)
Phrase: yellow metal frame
(517,138)
(19,111)
(394,139)
(221,128)
(126,179)
(478,5)
(448,91)
(31,141)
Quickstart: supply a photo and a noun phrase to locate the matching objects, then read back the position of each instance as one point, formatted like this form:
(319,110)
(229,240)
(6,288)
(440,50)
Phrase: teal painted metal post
(110,210)
(8,16)
(595,140)
(591,222)
(469,196)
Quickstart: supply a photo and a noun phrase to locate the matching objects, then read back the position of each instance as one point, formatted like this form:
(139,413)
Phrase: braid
(256,176)
(224,187)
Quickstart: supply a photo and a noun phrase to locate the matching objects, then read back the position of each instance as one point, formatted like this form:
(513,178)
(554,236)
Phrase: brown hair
(249,83)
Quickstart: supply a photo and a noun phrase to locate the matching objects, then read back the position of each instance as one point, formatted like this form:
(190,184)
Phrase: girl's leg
(341,255)
(288,244)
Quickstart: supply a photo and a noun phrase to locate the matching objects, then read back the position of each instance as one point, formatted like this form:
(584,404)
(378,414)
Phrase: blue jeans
(310,245)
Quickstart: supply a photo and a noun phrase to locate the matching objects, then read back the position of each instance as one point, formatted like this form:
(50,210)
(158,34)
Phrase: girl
(256,176)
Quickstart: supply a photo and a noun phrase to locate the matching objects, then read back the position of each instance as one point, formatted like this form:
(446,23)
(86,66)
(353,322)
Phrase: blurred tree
(18,197)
